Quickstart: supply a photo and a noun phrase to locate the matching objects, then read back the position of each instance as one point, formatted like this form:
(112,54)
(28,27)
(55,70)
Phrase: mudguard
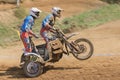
(40,59)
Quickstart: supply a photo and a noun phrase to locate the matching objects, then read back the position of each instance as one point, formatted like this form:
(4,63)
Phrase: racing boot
(49,52)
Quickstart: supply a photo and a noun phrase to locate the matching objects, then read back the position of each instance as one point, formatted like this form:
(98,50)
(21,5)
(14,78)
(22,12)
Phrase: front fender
(71,35)
(39,58)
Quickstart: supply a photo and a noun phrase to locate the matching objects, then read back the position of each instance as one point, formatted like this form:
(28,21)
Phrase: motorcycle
(34,62)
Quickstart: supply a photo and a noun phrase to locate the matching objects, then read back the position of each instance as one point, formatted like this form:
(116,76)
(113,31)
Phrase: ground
(103,65)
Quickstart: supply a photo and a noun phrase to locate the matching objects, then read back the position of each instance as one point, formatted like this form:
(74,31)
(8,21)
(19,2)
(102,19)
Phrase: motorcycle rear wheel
(32,69)
(83,45)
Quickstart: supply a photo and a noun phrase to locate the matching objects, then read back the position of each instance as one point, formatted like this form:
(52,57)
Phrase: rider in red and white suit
(26,28)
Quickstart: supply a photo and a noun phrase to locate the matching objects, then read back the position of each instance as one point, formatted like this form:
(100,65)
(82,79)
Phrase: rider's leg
(26,44)
(45,36)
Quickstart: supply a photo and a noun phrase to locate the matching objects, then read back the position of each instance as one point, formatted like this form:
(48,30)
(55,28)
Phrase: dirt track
(103,65)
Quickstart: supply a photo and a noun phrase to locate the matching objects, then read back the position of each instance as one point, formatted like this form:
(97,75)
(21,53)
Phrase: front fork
(72,46)
(75,46)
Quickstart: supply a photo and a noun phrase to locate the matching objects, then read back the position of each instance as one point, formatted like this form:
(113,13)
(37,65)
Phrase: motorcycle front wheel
(32,69)
(84,50)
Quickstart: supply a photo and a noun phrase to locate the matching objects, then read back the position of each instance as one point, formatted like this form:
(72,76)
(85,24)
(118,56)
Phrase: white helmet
(35,12)
(56,11)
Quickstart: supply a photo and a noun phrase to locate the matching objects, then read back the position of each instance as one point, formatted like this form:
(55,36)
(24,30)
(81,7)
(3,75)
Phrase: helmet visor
(37,13)
(59,12)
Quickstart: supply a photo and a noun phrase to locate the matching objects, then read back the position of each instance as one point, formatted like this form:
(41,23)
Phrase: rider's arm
(48,26)
(31,32)
(29,24)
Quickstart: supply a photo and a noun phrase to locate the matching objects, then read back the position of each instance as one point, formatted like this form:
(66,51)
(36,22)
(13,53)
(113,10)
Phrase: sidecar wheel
(32,69)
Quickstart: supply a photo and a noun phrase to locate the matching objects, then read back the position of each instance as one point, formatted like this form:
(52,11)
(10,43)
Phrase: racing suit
(26,32)
(47,24)
(50,19)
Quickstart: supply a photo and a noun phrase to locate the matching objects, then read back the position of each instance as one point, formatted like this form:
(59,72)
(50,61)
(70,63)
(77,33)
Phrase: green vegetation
(7,35)
(20,12)
(9,32)
(92,18)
